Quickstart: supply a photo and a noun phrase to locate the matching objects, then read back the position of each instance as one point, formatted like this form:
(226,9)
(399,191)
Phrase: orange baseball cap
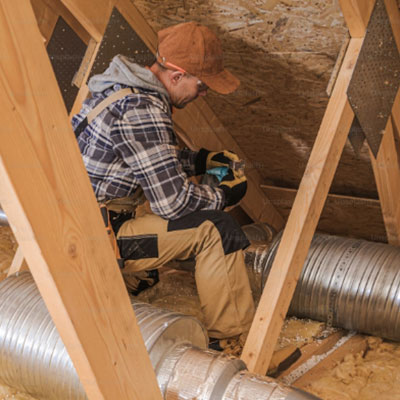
(195,49)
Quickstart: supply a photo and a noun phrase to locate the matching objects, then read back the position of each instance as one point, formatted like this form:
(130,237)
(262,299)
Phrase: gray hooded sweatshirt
(124,71)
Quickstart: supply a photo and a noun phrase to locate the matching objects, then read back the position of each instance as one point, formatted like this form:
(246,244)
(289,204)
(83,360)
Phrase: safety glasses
(200,84)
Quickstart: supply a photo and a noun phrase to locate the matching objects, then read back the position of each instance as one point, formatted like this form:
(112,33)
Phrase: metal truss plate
(120,38)
(356,136)
(66,51)
(376,77)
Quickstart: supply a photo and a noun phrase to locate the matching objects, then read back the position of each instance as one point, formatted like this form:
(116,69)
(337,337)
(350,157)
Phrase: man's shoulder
(148,118)
(147,101)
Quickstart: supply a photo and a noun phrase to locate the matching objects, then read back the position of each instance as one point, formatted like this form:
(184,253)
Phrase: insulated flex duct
(34,359)
(348,283)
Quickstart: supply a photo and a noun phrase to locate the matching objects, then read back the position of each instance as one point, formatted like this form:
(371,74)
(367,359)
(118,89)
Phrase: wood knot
(72,251)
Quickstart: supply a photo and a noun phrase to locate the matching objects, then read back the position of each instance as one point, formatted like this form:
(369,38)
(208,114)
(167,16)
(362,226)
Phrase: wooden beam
(84,69)
(93,17)
(387,177)
(48,199)
(302,221)
(392,9)
(394,16)
(315,348)
(356,14)
(396,113)
(86,65)
(197,120)
(281,357)
(354,345)
(336,68)
(46,18)
(18,263)
(47,13)
(342,215)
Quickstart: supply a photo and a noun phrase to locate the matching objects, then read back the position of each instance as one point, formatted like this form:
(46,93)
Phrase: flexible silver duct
(246,386)
(201,374)
(259,232)
(209,375)
(3,218)
(348,283)
(34,359)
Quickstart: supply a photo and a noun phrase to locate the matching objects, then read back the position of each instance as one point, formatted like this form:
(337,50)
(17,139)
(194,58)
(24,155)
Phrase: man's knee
(231,234)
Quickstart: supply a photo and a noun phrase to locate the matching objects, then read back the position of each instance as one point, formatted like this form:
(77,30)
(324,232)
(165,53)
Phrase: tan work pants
(221,278)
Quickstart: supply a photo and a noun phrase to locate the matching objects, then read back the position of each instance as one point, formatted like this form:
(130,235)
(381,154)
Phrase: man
(128,144)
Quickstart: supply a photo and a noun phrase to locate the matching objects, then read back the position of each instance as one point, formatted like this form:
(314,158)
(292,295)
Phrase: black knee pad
(232,236)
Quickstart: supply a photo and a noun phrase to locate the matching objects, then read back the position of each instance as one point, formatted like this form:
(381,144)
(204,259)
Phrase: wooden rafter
(387,177)
(356,14)
(18,263)
(48,199)
(47,13)
(356,344)
(302,221)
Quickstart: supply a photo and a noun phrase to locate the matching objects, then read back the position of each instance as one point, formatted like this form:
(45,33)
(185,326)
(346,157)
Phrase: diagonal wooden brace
(302,221)
(47,197)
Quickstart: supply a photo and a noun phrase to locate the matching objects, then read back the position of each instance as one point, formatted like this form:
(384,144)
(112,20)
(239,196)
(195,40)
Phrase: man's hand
(220,159)
(234,186)
(206,160)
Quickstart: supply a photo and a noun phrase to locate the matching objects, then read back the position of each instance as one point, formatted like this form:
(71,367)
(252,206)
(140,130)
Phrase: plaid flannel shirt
(132,143)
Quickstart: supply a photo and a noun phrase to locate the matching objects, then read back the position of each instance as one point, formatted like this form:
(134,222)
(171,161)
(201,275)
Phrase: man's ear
(176,77)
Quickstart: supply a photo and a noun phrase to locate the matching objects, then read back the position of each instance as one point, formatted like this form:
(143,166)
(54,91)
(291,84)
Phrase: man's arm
(145,140)
(187,158)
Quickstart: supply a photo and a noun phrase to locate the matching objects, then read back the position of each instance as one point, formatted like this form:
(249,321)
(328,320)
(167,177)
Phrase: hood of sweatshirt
(124,71)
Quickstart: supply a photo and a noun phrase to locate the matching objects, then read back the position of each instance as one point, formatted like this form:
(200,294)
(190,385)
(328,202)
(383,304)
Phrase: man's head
(189,61)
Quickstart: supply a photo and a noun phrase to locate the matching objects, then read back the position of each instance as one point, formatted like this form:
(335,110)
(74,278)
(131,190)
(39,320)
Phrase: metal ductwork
(349,283)
(259,232)
(34,359)
(3,218)
(209,375)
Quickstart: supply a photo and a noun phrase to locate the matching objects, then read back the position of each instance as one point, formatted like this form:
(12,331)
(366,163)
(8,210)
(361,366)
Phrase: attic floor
(370,374)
